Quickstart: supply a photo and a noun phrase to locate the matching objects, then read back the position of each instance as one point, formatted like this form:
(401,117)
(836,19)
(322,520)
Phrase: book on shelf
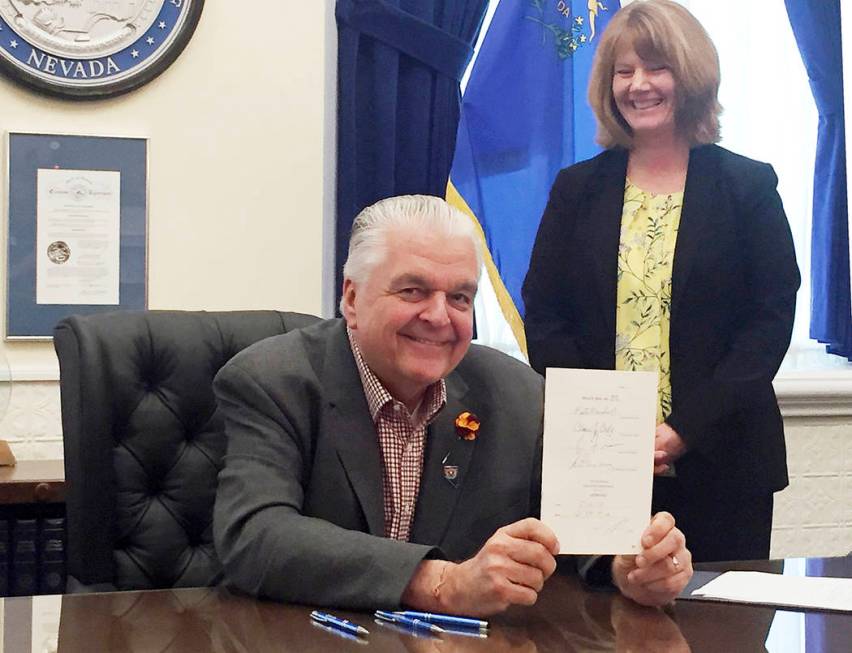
(24,571)
(51,576)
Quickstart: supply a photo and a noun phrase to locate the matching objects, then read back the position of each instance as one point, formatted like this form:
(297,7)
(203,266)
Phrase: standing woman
(667,252)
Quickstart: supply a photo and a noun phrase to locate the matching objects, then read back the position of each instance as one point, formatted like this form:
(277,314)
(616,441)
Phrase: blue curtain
(399,67)
(816,25)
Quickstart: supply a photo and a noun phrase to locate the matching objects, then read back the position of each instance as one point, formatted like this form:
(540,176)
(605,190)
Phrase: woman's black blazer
(734,283)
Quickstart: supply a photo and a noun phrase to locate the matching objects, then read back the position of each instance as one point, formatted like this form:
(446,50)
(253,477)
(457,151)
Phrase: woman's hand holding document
(597,474)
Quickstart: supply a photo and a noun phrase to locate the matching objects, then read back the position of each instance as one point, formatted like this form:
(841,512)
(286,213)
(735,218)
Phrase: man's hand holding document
(597,476)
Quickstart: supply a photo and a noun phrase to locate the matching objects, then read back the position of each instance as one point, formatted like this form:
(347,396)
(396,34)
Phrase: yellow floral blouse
(649,226)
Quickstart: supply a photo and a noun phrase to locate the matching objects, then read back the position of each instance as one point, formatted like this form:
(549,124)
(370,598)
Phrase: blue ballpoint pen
(336,622)
(466,632)
(337,632)
(408,621)
(445,619)
(404,630)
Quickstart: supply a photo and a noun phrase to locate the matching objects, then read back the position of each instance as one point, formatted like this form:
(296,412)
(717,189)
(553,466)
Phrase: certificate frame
(26,154)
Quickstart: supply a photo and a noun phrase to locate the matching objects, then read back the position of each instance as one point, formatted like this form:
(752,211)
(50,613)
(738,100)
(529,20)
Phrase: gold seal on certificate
(58,252)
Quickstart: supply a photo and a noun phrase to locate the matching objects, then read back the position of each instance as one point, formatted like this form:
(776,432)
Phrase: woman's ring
(675,561)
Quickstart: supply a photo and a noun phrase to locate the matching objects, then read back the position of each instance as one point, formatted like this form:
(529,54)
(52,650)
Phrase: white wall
(813,515)
(238,170)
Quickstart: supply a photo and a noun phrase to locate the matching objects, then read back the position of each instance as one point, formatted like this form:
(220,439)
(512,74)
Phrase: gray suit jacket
(299,513)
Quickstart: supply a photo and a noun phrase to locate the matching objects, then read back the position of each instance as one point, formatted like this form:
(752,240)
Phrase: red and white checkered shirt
(402,439)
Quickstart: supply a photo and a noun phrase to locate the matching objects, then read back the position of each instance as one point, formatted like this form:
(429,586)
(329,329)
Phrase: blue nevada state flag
(524,117)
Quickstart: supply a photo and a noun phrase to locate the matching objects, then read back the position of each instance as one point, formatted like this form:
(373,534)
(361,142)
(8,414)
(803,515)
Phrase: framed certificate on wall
(77,228)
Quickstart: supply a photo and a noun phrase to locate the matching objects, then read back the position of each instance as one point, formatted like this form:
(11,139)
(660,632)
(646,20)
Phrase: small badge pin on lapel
(451,472)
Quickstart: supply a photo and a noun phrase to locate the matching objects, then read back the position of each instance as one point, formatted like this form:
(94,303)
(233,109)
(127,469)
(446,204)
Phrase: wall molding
(800,394)
(815,394)
(34,372)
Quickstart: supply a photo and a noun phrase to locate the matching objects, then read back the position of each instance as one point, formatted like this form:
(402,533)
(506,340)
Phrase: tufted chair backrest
(144,441)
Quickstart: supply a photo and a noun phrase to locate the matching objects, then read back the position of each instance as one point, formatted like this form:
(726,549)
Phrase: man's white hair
(368,244)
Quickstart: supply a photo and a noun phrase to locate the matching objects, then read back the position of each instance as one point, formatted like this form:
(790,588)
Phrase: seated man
(355,476)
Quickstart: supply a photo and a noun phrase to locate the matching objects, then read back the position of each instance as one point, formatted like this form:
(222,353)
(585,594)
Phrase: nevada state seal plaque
(92,48)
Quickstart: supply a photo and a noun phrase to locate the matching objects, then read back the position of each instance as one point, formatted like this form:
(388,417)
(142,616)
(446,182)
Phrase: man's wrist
(427,588)
(439,586)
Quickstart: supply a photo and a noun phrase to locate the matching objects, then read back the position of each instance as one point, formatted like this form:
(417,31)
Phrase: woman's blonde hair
(660,31)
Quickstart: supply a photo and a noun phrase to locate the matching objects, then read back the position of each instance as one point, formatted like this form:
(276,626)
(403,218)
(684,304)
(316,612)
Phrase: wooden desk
(33,481)
(567,618)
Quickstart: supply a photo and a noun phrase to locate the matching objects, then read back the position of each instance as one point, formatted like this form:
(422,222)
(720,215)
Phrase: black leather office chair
(144,441)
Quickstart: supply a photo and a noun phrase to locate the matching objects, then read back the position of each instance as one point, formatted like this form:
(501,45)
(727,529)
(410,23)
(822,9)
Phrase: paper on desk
(775,589)
(597,469)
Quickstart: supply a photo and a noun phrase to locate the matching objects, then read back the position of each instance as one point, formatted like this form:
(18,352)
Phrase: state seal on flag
(91,49)
(570,29)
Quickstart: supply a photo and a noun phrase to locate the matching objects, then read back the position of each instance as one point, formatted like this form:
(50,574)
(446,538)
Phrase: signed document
(78,236)
(597,471)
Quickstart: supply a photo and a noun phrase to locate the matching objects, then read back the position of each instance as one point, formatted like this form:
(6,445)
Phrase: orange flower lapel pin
(467,426)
